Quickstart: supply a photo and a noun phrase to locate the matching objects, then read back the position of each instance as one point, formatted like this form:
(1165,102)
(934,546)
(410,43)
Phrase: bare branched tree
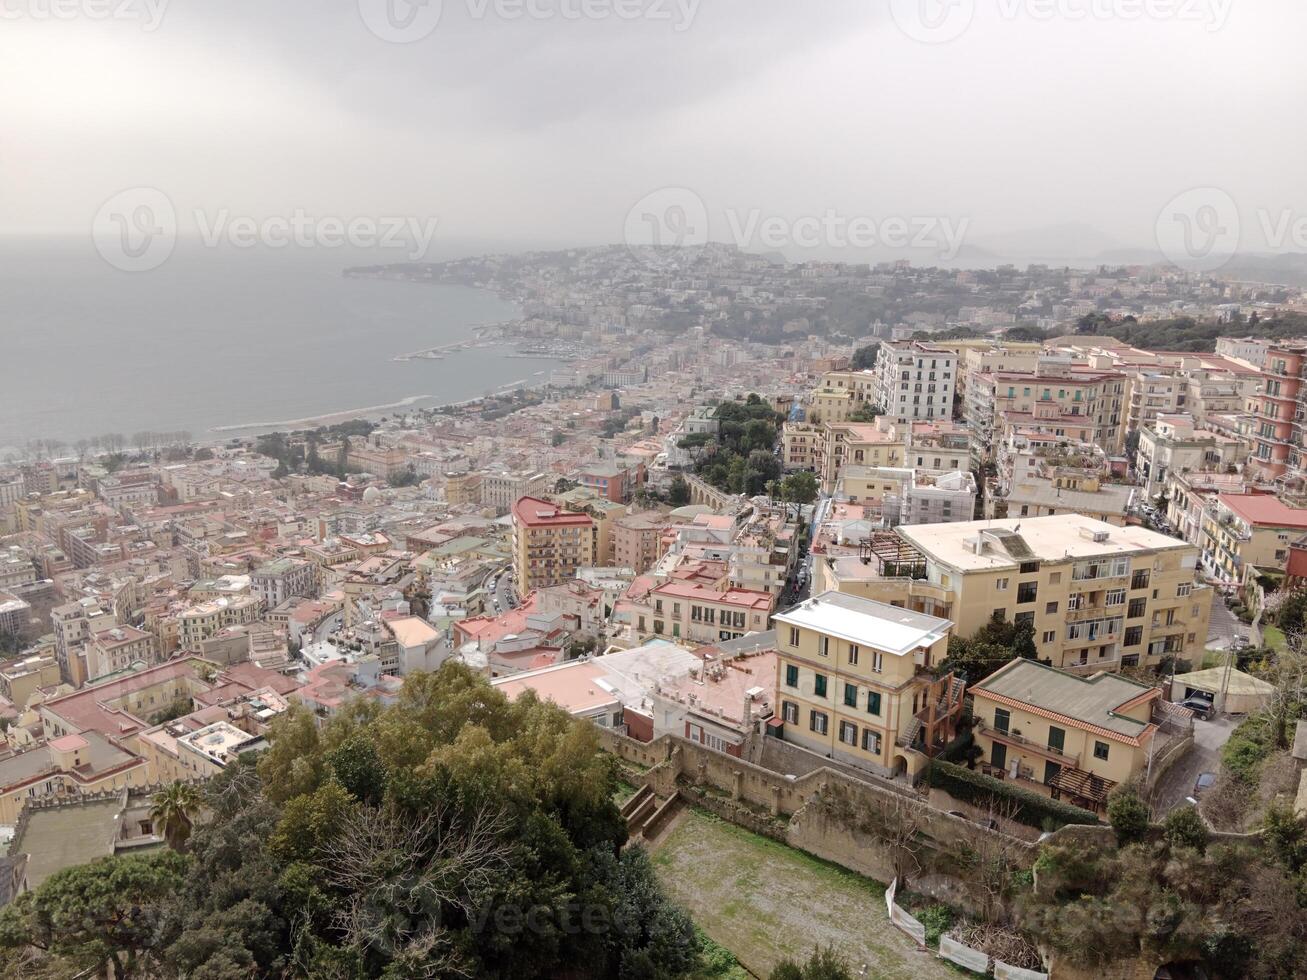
(402,872)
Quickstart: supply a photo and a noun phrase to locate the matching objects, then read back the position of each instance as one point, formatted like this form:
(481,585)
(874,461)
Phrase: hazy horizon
(1067,127)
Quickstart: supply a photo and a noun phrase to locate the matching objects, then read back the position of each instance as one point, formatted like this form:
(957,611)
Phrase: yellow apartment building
(1099,597)
(1248,530)
(1069,737)
(878,443)
(549,544)
(855,683)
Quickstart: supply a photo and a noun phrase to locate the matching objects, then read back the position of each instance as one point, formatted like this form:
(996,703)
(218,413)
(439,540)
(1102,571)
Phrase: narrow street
(1204,756)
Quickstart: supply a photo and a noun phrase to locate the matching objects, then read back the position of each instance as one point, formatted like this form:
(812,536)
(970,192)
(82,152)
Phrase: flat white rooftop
(1062,537)
(868,623)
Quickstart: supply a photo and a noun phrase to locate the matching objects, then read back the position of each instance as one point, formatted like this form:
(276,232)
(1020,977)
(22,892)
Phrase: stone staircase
(646,815)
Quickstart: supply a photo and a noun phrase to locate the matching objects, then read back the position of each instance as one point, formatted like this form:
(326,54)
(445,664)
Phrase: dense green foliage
(983,791)
(1239,908)
(742,458)
(1186,333)
(864,358)
(1127,814)
(824,964)
(992,646)
(453,834)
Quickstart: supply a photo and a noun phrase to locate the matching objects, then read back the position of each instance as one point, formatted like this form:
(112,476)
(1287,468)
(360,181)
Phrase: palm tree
(173,811)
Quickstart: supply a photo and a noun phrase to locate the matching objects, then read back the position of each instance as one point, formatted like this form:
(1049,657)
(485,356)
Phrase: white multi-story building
(916,381)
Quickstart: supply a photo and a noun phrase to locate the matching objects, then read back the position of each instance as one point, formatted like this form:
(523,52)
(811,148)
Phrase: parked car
(1203,782)
(1199,705)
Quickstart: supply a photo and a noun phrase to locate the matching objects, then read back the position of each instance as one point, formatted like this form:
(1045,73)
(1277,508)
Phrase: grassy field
(765,902)
(1273,638)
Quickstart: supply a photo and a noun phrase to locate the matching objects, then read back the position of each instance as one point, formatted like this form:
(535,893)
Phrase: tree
(799,489)
(866,412)
(864,358)
(1183,827)
(172,812)
(1128,814)
(678,494)
(97,914)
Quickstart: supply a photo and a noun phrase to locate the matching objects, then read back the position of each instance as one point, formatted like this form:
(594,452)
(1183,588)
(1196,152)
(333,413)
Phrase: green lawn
(765,902)
(1273,638)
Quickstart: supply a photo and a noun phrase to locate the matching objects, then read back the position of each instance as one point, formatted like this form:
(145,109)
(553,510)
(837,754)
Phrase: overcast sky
(547,130)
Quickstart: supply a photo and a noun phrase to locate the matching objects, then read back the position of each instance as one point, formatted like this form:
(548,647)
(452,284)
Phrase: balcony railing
(1020,741)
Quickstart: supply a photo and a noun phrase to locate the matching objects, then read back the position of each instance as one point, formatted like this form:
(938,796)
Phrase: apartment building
(117,648)
(1068,737)
(1280,410)
(549,544)
(74,623)
(1243,531)
(1079,404)
(802,444)
(637,541)
(940,446)
(1099,597)
(612,482)
(703,613)
(878,443)
(203,621)
(501,489)
(854,682)
(915,381)
(20,679)
(1173,442)
(1154,393)
(276,581)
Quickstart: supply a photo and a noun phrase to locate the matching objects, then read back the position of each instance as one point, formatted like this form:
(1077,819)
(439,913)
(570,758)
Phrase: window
(877,661)
(790,712)
(1134,635)
(1050,636)
(1140,579)
(1054,578)
(1002,584)
(817,721)
(851,695)
(1002,719)
(873,702)
(1183,590)
(819,685)
(1136,609)
(871,741)
(823,646)
(791,675)
(1026,592)
(794,636)
(1100,751)
(1024,619)
(1114,597)
(1029,567)
(853,654)
(1056,738)
(848,733)
(1050,608)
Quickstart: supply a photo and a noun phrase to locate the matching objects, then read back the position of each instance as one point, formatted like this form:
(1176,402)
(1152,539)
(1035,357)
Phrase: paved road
(504,595)
(1204,756)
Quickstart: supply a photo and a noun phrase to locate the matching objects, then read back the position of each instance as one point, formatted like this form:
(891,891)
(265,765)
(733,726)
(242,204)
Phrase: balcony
(1021,742)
